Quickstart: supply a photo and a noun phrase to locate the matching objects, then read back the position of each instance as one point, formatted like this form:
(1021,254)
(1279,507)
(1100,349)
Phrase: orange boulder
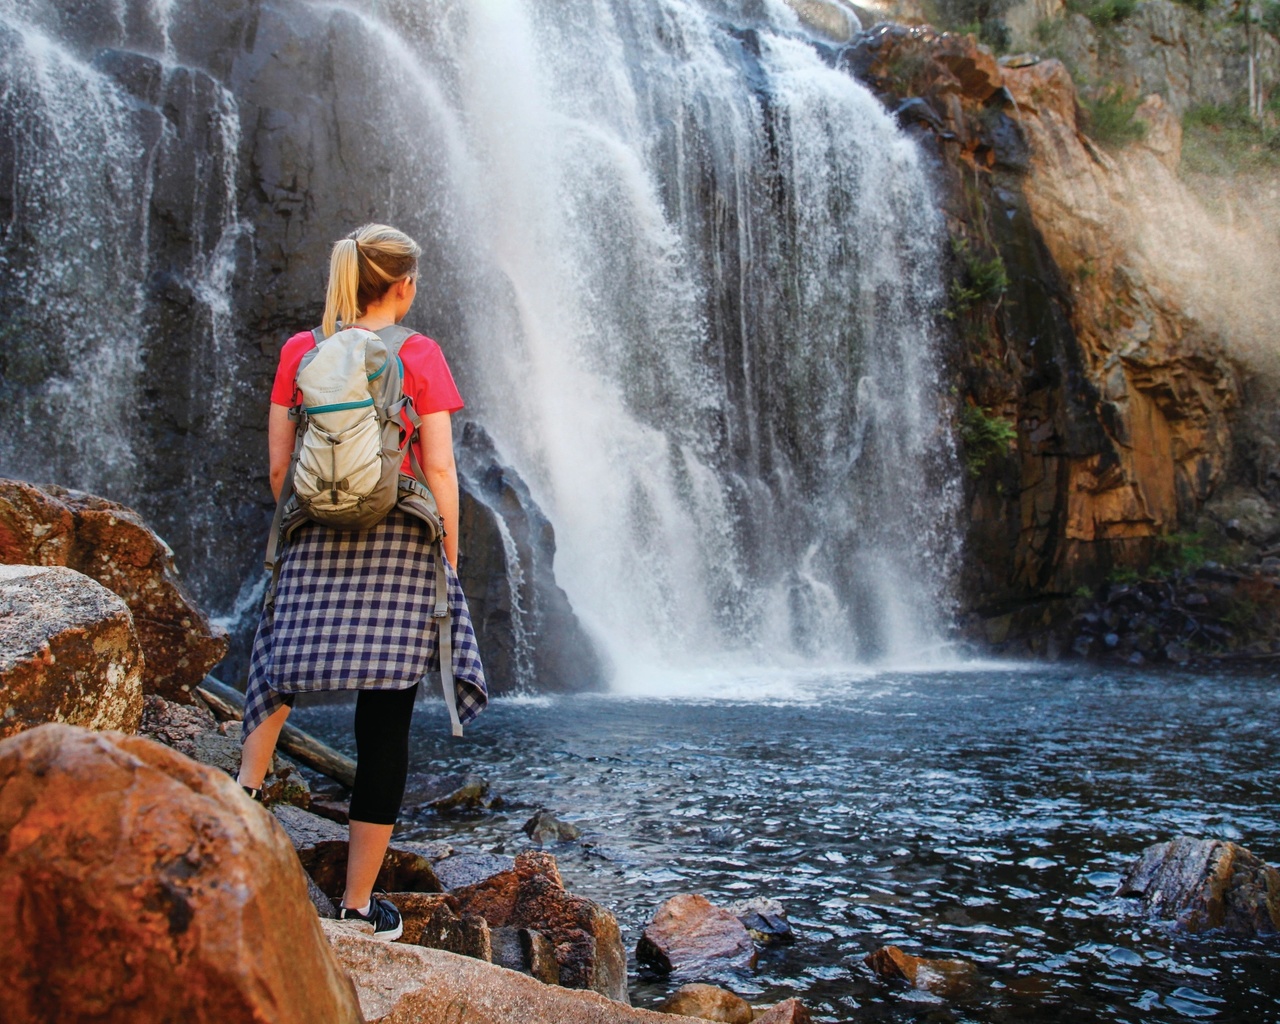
(140,886)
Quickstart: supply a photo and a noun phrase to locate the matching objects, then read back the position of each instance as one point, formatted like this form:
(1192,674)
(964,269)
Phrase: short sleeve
(284,390)
(427,378)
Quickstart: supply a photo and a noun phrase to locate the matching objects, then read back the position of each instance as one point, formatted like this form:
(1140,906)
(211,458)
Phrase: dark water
(980,814)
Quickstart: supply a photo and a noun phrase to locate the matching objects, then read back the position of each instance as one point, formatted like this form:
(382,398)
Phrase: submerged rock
(948,979)
(765,919)
(68,652)
(113,545)
(544,827)
(689,937)
(708,1002)
(1207,885)
(142,887)
(445,792)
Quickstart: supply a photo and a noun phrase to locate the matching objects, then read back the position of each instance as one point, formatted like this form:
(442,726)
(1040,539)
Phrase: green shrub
(995,34)
(1225,140)
(981,280)
(1103,13)
(1182,552)
(1110,119)
(984,437)
(1271,18)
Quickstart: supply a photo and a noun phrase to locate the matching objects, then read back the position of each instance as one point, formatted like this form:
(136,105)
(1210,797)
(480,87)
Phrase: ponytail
(341,302)
(362,267)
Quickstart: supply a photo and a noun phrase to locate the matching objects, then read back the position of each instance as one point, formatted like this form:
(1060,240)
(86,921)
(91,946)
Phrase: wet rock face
(1170,48)
(150,890)
(525,626)
(1095,351)
(689,937)
(113,545)
(1207,885)
(1211,615)
(68,652)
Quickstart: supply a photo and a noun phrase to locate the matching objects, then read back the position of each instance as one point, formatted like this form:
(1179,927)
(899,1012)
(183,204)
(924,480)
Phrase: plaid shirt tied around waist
(352,611)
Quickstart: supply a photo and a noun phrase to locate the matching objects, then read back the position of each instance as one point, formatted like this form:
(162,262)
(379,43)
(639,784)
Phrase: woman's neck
(380,314)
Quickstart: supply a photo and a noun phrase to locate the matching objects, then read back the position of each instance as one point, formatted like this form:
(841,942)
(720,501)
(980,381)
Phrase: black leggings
(382,754)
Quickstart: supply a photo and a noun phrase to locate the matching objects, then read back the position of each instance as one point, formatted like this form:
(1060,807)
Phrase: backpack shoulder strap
(395,336)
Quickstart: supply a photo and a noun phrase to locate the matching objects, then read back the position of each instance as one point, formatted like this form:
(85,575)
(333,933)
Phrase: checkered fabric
(352,611)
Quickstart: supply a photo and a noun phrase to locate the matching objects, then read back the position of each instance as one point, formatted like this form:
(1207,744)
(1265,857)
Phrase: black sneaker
(383,915)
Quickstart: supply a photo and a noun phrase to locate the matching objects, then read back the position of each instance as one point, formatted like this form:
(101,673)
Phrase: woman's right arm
(281,433)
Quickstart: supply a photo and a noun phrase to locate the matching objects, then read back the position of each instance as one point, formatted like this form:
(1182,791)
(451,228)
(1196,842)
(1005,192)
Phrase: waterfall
(132,349)
(686,270)
(702,271)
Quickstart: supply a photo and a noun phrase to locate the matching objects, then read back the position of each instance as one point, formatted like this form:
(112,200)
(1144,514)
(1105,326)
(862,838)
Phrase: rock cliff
(1091,342)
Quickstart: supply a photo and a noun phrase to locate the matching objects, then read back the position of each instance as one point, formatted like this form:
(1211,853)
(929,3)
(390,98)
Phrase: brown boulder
(527,951)
(945,978)
(68,652)
(141,887)
(708,1002)
(113,545)
(690,937)
(322,848)
(587,941)
(1206,885)
(789,1011)
(463,873)
(432,919)
(405,984)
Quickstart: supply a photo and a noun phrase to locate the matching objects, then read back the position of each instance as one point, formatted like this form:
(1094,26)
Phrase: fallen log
(228,704)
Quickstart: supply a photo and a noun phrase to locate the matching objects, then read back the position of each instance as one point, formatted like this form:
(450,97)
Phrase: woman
(351,609)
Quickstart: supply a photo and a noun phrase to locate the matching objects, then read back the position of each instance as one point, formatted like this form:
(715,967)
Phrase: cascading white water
(701,272)
(686,270)
(84,297)
(75,260)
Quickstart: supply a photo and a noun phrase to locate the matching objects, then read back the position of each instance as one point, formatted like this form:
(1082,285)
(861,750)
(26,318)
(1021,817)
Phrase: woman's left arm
(436,446)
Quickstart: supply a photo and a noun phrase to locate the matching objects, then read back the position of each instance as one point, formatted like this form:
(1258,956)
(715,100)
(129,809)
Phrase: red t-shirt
(427,379)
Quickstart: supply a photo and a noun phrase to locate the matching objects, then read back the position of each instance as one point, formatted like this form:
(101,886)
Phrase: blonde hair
(361,269)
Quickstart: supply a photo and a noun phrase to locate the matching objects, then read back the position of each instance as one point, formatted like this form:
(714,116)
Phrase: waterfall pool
(986,813)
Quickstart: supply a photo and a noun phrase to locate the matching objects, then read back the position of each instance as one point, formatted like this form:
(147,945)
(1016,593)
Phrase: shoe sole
(390,936)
